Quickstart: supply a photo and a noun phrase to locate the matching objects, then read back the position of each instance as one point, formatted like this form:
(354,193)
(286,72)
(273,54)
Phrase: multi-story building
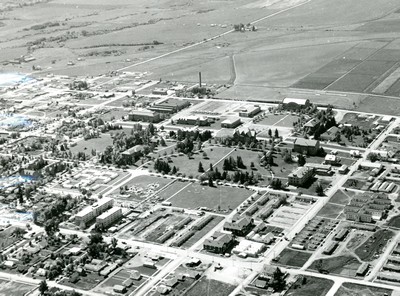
(239,226)
(300,176)
(306,146)
(109,217)
(90,212)
(219,242)
(144,115)
(367,208)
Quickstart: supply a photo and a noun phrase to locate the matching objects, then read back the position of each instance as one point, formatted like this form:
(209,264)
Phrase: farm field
(223,198)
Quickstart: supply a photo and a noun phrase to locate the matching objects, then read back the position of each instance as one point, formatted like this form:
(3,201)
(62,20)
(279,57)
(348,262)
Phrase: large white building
(90,212)
(109,217)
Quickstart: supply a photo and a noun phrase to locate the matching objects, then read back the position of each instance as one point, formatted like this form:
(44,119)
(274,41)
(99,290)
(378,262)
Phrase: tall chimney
(200,79)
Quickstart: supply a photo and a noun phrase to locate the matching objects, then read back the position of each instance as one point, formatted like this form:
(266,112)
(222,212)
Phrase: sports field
(224,198)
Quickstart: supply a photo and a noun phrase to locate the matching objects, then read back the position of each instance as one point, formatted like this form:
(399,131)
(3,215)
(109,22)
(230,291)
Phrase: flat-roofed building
(300,176)
(249,111)
(170,106)
(90,212)
(144,115)
(306,146)
(231,122)
(109,217)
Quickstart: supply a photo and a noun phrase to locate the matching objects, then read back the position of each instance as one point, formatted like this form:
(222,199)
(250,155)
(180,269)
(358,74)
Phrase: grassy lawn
(330,211)
(195,196)
(210,287)
(87,282)
(99,144)
(283,120)
(280,168)
(7,238)
(374,245)
(344,265)
(190,166)
(311,186)
(350,289)
(308,285)
(248,157)
(172,189)
(340,197)
(293,258)
(14,289)
(394,222)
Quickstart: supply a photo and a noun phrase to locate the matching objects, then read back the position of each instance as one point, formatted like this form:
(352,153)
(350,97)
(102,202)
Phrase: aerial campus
(179,147)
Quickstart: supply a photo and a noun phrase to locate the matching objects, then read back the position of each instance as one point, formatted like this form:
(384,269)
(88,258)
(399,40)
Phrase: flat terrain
(14,289)
(307,285)
(293,258)
(349,289)
(339,45)
(223,197)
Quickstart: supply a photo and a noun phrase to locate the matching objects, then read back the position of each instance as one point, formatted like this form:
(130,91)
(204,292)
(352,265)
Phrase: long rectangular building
(109,217)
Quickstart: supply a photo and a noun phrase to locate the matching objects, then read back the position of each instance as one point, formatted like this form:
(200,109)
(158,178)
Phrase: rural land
(211,147)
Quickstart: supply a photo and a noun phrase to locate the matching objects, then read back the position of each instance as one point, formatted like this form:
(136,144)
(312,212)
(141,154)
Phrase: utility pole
(199,79)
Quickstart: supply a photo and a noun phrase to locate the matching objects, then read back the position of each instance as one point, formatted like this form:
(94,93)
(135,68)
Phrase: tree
(278,280)
(270,133)
(276,133)
(210,182)
(200,169)
(319,190)
(162,142)
(43,287)
(211,167)
(276,184)
(373,157)
(114,243)
(301,160)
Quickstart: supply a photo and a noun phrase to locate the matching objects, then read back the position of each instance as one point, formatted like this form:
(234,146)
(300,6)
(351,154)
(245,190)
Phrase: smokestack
(200,79)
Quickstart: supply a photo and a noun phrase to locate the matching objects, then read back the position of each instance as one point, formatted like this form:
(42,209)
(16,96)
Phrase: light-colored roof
(305,142)
(109,213)
(295,101)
